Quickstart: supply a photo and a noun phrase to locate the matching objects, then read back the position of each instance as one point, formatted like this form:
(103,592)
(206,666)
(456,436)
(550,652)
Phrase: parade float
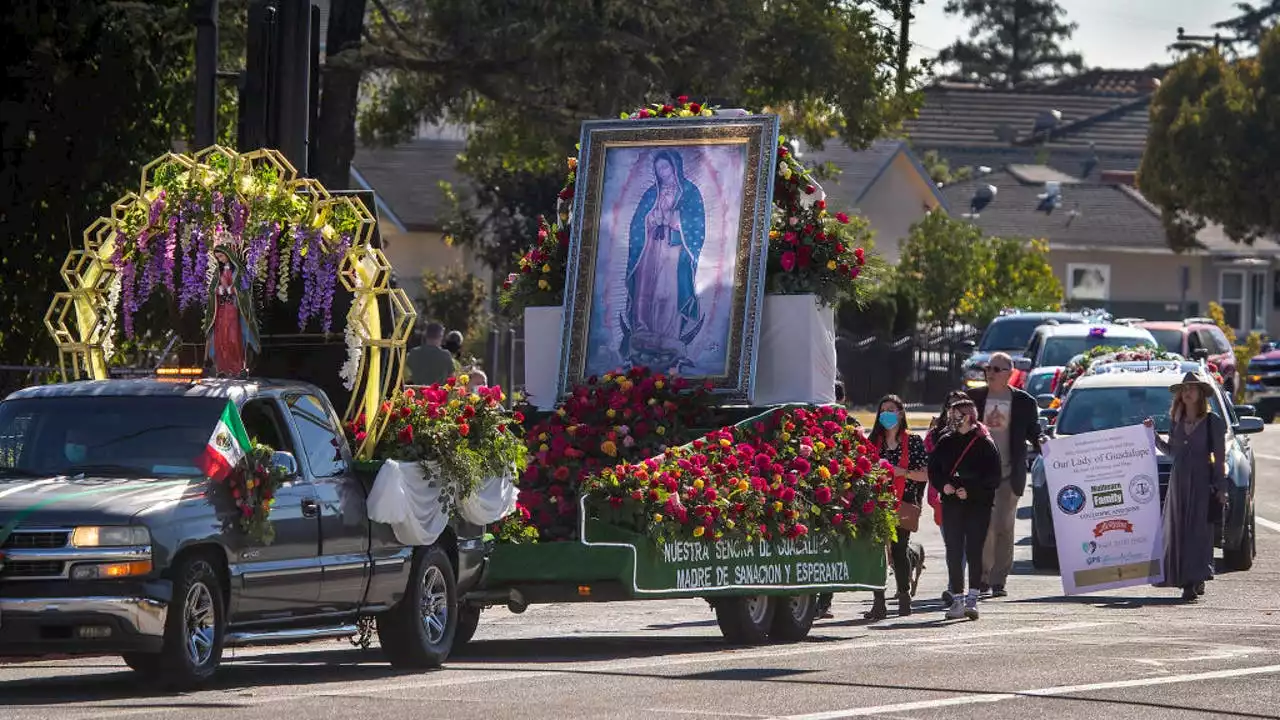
(679,439)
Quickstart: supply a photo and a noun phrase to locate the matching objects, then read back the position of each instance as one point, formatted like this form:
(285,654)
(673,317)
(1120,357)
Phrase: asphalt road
(1132,653)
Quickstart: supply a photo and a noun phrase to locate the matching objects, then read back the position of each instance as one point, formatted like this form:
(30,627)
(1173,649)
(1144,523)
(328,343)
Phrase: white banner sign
(1104,493)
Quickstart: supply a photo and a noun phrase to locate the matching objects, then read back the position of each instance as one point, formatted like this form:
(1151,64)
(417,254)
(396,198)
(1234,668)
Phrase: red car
(1193,334)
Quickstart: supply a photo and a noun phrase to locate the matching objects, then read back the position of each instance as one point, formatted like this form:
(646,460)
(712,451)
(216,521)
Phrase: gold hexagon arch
(182,202)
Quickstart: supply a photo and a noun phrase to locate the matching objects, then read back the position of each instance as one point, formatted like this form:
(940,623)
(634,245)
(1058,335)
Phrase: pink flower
(788,261)
(822,495)
(843,218)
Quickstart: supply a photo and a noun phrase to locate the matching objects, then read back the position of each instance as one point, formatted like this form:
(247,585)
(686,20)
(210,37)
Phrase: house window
(1258,301)
(1231,297)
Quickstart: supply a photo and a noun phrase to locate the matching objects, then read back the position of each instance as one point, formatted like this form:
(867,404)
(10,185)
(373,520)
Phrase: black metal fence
(920,368)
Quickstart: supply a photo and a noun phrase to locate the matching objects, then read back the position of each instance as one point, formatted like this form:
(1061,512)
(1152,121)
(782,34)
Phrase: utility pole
(204,13)
(904,43)
(1188,43)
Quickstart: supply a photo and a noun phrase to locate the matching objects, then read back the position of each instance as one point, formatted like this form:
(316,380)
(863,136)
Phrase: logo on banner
(1143,489)
(1089,548)
(1107,526)
(1071,500)
(1107,495)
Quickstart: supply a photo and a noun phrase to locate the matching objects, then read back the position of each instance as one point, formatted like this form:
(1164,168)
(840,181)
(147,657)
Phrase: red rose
(788,261)
(695,108)
(464,429)
(837,519)
(860,254)
(405,436)
(644,112)
(843,218)
(682,99)
(822,495)
(821,204)
(810,189)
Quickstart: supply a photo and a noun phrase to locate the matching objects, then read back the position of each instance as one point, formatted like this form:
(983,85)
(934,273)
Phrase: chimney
(1120,177)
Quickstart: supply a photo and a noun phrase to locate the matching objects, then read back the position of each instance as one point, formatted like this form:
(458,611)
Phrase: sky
(1114,34)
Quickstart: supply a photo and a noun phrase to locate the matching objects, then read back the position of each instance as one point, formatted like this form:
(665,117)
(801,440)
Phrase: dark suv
(1009,333)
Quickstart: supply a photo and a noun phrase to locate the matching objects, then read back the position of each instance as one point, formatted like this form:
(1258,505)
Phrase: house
(885,183)
(1108,247)
(411,206)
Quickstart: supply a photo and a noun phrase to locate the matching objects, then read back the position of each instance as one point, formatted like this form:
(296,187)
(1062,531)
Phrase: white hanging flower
(282,271)
(113,306)
(355,350)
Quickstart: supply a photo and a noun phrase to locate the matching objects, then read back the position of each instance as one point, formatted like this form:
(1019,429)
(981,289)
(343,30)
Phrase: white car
(1055,345)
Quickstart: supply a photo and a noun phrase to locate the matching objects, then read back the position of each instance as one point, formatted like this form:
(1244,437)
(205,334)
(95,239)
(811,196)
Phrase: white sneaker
(971,606)
(956,611)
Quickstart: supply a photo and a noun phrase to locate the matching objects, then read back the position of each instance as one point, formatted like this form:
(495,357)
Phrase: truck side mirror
(285,463)
(1022,363)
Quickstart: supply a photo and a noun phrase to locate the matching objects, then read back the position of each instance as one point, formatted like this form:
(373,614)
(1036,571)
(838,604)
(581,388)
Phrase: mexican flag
(227,446)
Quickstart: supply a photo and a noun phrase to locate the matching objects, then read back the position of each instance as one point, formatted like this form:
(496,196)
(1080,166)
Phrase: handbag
(964,452)
(908,512)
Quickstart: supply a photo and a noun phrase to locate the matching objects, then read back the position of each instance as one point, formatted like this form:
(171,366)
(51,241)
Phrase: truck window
(321,441)
(264,424)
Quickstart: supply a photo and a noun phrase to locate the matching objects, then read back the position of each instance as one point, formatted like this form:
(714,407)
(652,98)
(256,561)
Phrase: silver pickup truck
(111,541)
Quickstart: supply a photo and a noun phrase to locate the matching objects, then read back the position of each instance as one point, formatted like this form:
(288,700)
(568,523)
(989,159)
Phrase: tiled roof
(407,178)
(981,118)
(1068,160)
(859,169)
(1104,82)
(1093,216)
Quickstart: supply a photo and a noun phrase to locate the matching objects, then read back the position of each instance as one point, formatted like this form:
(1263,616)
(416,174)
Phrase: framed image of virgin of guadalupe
(667,249)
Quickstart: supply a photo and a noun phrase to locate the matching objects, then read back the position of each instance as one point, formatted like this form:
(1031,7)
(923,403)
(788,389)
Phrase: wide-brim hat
(1190,379)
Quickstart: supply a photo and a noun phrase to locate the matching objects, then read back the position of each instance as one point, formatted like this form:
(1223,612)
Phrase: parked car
(1055,345)
(1262,384)
(128,550)
(1119,398)
(1195,336)
(1009,333)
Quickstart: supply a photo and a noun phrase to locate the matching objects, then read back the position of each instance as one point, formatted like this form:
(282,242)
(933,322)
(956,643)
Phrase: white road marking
(490,674)
(1268,524)
(1038,692)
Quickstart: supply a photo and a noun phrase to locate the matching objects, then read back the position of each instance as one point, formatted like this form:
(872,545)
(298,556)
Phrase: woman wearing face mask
(937,426)
(965,469)
(906,453)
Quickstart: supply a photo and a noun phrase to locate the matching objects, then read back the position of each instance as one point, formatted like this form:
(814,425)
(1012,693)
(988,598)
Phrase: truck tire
(1042,558)
(793,618)
(419,631)
(194,629)
(468,621)
(1240,558)
(745,619)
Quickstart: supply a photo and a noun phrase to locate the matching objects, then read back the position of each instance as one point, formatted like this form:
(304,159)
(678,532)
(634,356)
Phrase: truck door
(344,521)
(281,579)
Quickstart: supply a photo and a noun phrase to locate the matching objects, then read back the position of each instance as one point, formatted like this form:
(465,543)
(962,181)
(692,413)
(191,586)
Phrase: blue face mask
(888,419)
(75,453)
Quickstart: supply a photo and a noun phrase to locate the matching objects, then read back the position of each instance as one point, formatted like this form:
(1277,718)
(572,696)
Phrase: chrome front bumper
(34,625)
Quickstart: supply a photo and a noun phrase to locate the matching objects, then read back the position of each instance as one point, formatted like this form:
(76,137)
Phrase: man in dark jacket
(1013,418)
(429,364)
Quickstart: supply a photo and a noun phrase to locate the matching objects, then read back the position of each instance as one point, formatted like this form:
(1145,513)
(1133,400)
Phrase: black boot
(904,604)
(1189,593)
(1199,588)
(879,610)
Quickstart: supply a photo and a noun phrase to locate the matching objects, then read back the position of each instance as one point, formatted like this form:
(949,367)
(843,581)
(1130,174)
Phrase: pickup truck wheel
(745,620)
(194,629)
(793,618)
(468,621)
(419,631)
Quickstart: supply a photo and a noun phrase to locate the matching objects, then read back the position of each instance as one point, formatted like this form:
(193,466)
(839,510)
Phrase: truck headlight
(93,536)
(111,571)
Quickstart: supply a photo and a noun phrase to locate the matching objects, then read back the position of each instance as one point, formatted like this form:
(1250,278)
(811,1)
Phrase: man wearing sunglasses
(1013,418)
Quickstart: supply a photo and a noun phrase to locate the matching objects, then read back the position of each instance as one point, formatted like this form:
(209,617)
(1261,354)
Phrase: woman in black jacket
(965,469)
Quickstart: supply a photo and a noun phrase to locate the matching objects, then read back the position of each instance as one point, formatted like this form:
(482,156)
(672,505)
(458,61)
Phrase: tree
(93,91)
(523,74)
(1253,21)
(1213,146)
(956,273)
(1011,41)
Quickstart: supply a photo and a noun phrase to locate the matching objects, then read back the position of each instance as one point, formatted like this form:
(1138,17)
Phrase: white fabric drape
(797,357)
(407,500)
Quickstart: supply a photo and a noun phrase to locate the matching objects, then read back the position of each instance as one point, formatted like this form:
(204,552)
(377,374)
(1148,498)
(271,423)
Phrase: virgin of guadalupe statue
(665,241)
(230,326)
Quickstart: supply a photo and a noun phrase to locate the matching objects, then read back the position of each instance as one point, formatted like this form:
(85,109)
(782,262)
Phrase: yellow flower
(543,447)
(699,531)
(455,404)
(543,284)
(661,430)
(542,437)
(786,173)
(743,485)
(560,412)
(773,234)
(819,446)
(473,398)
(611,413)
(659,385)
(546,268)
(698,484)
(464,379)
(571,429)
(831,264)
(609,448)
(729,524)
(724,442)
(720,534)
(785,437)
(706,112)
(846,486)
(657,517)
(824,473)
(777,506)
(686,113)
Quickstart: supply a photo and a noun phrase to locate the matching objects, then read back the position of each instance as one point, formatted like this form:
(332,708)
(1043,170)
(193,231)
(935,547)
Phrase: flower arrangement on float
(795,472)
(811,251)
(1102,354)
(459,437)
(619,417)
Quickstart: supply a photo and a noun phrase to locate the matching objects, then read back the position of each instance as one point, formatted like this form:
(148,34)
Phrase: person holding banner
(906,453)
(965,469)
(1197,485)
